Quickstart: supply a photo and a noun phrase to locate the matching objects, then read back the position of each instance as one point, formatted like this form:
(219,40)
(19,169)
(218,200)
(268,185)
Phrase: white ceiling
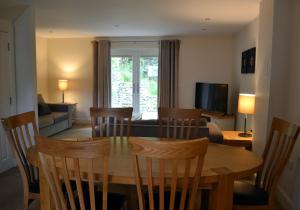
(78,18)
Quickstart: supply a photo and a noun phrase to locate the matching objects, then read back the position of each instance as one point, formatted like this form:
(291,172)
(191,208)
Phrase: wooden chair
(64,162)
(179,123)
(277,151)
(20,130)
(110,121)
(178,155)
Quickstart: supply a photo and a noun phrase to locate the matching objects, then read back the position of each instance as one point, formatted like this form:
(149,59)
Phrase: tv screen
(211,97)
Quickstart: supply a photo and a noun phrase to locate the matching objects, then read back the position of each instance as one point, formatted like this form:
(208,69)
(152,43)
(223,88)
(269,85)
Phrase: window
(134,80)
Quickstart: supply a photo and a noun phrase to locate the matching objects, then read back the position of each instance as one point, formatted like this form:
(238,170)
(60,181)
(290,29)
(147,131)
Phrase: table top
(234,135)
(240,162)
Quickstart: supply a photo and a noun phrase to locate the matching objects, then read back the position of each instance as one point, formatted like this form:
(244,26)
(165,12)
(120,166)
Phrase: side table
(232,138)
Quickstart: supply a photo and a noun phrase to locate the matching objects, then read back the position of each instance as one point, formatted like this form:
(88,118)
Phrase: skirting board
(284,199)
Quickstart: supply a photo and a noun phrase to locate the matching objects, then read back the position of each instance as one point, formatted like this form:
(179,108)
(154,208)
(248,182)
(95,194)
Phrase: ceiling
(81,18)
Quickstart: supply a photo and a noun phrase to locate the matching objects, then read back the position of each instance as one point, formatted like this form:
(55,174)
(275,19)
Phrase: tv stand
(224,121)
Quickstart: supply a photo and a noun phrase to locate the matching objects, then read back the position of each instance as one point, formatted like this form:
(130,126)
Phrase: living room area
(235,62)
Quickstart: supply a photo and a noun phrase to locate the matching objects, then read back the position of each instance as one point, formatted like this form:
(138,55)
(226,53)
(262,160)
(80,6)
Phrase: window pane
(121,81)
(148,87)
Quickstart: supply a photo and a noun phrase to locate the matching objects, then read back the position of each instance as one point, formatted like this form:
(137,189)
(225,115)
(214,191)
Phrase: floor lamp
(246,106)
(62,86)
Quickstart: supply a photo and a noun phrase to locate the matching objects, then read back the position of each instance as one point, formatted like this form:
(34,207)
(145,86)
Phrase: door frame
(7,27)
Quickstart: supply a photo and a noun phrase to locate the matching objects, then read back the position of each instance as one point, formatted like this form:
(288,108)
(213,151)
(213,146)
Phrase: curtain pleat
(102,74)
(168,73)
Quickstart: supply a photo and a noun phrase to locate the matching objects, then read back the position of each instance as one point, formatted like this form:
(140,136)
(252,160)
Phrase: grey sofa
(53,118)
(151,128)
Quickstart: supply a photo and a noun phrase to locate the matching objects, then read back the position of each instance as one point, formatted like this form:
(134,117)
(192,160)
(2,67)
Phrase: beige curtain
(102,76)
(168,73)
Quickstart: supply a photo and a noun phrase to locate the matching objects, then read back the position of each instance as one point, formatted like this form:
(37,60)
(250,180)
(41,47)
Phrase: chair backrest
(180,162)
(111,121)
(60,163)
(179,123)
(279,146)
(20,131)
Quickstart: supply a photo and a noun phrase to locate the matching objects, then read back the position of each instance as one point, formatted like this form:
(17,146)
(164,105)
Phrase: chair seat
(167,200)
(115,201)
(247,194)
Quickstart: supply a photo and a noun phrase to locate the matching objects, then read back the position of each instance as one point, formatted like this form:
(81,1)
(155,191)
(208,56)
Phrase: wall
(71,59)
(244,83)
(42,66)
(291,103)
(25,62)
(263,74)
(204,59)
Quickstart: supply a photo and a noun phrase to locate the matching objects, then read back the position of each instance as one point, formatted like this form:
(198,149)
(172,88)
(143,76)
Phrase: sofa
(53,118)
(151,128)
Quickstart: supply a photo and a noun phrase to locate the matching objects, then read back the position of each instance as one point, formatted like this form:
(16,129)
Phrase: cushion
(247,194)
(43,109)
(60,116)
(215,133)
(46,120)
(40,98)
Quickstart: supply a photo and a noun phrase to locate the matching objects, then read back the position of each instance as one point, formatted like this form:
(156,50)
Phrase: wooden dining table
(223,164)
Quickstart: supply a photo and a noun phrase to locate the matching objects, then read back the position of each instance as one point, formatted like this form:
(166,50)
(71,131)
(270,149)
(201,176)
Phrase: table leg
(44,191)
(221,196)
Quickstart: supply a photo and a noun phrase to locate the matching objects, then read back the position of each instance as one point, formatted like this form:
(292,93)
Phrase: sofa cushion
(215,133)
(40,98)
(46,120)
(59,116)
(43,109)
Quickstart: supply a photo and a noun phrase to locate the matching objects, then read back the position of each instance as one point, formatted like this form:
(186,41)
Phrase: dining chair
(179,123)
(111,121)
(178,165)
(279,146)
(66,162)
(20,131)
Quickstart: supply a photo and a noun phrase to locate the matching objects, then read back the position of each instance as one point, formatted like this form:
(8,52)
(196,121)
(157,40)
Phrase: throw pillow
(43,109)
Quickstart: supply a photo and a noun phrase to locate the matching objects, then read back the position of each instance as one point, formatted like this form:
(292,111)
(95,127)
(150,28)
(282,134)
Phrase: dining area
(176,169)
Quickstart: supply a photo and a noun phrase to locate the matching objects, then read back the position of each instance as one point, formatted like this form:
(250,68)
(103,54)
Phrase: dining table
(222,165)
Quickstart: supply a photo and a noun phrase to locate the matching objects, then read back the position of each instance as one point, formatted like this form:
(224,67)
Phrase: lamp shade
(246,104)
(62,84)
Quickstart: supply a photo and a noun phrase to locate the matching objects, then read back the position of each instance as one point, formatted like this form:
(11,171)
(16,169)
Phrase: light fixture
(62,86)
(246,106)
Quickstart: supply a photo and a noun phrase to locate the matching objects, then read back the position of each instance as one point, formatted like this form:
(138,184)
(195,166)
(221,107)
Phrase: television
(211,97)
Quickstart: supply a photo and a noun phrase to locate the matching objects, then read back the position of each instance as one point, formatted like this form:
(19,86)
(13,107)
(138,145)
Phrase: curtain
(102,74)
(168,73)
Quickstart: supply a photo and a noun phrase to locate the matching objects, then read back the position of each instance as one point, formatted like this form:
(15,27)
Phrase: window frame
(136,53)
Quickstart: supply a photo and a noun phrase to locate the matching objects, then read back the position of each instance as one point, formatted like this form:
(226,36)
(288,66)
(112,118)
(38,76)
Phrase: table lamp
(246,106)
(62,86)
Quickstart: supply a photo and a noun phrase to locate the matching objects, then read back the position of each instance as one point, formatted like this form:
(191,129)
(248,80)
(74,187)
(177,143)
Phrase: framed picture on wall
(248,61)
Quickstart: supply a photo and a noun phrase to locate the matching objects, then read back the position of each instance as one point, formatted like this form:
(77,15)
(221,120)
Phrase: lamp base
(245,134)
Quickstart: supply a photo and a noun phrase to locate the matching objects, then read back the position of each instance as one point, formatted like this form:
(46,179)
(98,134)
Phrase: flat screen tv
(211,97)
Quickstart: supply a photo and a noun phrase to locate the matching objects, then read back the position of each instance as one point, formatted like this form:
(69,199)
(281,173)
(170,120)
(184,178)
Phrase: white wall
(42,66)
(71,59)
(25,65)
(244,83)
(291,90)
(204,59)
(263,74)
